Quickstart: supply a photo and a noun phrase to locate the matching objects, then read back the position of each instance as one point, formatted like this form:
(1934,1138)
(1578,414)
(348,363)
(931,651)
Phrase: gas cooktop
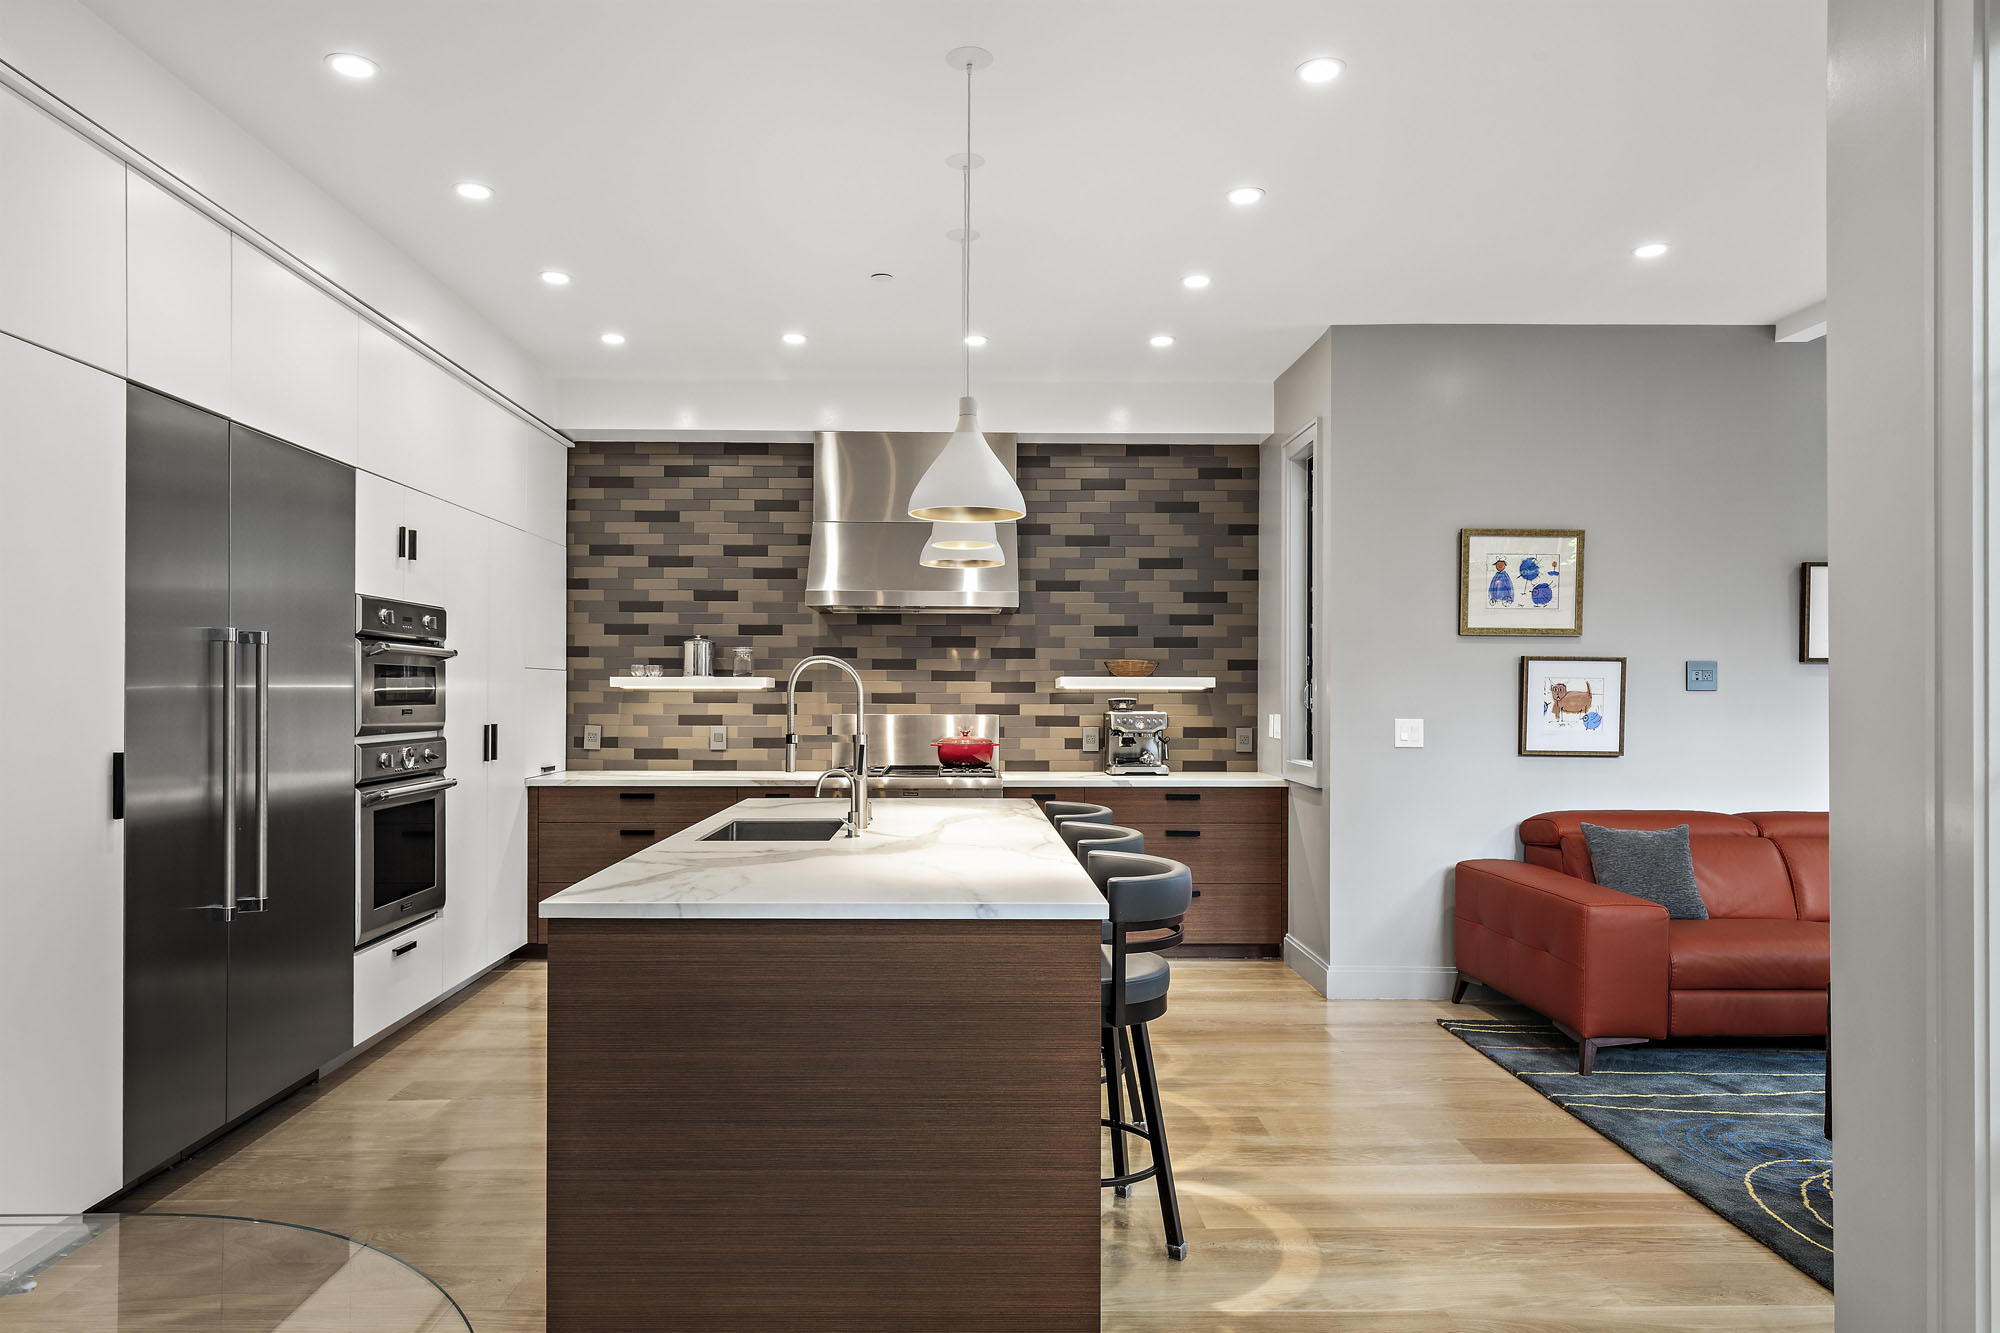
(932,779)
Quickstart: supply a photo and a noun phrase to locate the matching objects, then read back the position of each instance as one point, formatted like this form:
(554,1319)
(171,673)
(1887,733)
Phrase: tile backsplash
(1128,550)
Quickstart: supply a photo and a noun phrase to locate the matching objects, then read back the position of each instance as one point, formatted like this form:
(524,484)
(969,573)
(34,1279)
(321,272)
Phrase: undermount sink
(777,830)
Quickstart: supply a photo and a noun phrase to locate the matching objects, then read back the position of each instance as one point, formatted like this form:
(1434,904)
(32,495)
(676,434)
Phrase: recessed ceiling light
(1321,69)
(555,277)
(1245,195)
(611,339)
(794,340)
(473,190)
(1194,282)
(1650,250)
(1162,340)
(351,66)
(975,340)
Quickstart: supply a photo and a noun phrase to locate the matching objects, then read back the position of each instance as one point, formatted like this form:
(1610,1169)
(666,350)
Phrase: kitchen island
(841,1084)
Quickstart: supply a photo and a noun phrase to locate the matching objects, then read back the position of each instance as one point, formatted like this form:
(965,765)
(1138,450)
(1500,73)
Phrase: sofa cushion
(1555,839)
(1743,877)
(1653,864)
(1800,837)
(1747,954)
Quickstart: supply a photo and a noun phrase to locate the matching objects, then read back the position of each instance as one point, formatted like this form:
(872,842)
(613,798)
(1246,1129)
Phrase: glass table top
(114,1272)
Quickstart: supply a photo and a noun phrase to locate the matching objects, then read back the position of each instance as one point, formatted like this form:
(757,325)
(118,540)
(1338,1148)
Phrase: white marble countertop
(774,777)
(919,859)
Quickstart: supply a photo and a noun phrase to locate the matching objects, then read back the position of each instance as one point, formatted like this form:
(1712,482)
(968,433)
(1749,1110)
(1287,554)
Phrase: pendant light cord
(965,245)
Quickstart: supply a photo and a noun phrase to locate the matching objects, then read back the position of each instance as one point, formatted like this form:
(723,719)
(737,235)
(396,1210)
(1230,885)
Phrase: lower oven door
(402,869)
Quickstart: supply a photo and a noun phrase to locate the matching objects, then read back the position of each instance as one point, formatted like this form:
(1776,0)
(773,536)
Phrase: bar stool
(1059,811)
(1085,837)
(1147,893)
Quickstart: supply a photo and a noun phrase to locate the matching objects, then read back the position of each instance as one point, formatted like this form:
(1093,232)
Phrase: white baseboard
(1359,982)
(1306,963)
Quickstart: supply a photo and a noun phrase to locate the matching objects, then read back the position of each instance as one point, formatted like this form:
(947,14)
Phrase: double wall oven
(399,765)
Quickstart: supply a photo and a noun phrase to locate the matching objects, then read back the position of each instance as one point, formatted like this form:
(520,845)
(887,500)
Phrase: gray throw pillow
(1654,864)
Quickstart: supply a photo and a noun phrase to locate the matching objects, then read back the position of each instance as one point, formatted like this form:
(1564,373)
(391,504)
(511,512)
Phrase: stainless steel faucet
(857,770)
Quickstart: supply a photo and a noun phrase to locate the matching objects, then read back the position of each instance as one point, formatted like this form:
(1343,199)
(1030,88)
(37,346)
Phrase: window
(1301,631)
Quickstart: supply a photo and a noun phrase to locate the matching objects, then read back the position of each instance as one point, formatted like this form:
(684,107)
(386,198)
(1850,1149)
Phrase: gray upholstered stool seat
(1085,837)
(1146,977)
(1058,811)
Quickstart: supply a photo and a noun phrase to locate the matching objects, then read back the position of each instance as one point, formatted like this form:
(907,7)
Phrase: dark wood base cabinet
(828,1125)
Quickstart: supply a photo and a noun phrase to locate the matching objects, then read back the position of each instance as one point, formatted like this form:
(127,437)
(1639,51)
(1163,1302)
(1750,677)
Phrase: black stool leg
(1149,1088)
(1113,1092)
(1131,1078)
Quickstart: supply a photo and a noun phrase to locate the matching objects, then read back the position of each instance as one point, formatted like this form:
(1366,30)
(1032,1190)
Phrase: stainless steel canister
(698,656)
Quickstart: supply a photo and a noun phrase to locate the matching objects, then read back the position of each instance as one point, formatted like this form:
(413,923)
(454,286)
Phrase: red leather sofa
(1610,969)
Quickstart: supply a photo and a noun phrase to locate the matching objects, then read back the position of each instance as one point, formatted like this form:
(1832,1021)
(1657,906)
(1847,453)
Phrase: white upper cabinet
(547,595)
(415,417)
(177,297)
(293,362)
(381,536)
(523,475)
(62,239)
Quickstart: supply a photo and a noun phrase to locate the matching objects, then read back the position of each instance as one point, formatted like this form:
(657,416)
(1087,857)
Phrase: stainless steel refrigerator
(239,781)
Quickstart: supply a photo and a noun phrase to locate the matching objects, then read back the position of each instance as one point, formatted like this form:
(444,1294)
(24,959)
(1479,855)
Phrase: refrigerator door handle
(260,644)
(226,636)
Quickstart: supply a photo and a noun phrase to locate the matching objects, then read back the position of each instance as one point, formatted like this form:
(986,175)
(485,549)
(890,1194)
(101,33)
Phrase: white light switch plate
(593,737)
(1409,733)
(1272,726)
(718,738)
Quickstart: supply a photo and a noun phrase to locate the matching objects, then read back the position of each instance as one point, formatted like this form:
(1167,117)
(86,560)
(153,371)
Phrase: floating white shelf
(1135,684)
(692,682)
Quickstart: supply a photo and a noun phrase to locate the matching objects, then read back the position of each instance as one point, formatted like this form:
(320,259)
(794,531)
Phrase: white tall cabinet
(104,275)
(62,907)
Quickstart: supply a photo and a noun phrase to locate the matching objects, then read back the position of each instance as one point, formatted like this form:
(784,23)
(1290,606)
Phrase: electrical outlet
(1702,676)
(1093,739)
(1271,726)
(718,738)
(593,737)
(1409,733)
(1246,740)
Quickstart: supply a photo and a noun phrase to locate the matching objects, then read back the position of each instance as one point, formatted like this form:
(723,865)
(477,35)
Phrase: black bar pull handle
(1183,795)
(402,541)
(1183,833)
(413,543)
(118,785)
(635,796)
(495,756)
(402,949)
(1197,893)
(635,833)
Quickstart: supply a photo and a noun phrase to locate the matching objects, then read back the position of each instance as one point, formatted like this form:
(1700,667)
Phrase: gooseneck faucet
(857,770)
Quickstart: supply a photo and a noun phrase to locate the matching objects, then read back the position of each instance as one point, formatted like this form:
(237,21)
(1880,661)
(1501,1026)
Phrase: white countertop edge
(759,777)
(1020,910)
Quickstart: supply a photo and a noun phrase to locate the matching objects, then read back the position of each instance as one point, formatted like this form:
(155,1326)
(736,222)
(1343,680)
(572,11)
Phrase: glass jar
(740,663)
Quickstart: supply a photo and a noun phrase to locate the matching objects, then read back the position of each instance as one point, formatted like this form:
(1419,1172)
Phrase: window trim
(1303,666)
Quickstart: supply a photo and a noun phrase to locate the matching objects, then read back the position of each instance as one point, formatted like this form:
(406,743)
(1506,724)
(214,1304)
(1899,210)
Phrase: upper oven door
(398,686)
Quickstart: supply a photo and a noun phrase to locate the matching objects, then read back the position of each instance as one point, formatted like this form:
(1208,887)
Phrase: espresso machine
(1135,739)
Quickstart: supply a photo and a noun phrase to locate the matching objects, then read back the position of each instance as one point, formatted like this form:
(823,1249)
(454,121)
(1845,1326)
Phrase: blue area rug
(1738,1127)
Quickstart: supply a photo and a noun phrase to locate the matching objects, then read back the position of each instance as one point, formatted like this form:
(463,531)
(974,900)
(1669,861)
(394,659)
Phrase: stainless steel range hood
(865,545)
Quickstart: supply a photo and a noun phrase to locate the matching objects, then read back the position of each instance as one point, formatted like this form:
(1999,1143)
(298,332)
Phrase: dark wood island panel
(835,1125)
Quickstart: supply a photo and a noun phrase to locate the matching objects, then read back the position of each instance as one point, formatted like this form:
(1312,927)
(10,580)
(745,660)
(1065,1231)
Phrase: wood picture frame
(1812,611)
(1552,725)
(1520,581)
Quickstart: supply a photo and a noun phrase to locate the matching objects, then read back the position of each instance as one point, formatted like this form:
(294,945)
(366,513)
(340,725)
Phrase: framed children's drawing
(1520,581)
(1812,611)
(1573,706)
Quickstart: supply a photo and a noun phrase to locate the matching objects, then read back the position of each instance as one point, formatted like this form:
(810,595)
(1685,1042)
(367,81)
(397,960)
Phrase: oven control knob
(383,760)
(409,756)
(430,622)
(385,616)
(430,755)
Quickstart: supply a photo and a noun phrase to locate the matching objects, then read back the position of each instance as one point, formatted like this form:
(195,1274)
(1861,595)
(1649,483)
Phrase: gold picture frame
(1539,569)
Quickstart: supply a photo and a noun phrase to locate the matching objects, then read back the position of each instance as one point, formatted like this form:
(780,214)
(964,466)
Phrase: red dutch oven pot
(964,750)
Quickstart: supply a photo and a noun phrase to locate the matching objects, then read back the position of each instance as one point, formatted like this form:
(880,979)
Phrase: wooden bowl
(1131,666)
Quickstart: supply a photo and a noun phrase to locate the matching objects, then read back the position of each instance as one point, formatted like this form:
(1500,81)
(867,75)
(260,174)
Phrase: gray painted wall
(1301,396)
(1695,461)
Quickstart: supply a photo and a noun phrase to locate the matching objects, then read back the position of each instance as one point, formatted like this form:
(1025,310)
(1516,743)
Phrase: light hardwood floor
(1342,1166)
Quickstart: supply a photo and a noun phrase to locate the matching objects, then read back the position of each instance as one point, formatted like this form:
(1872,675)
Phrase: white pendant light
(967,483)
(962,546)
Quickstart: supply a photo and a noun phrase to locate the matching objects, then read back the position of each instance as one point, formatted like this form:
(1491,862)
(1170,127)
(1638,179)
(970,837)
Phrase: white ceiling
(714,174)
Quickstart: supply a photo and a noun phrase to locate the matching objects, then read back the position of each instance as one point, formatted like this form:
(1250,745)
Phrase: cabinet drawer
(574,851)
(1194,807)
(1220,853)
(395,977)
(1237,914)
(672,808)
